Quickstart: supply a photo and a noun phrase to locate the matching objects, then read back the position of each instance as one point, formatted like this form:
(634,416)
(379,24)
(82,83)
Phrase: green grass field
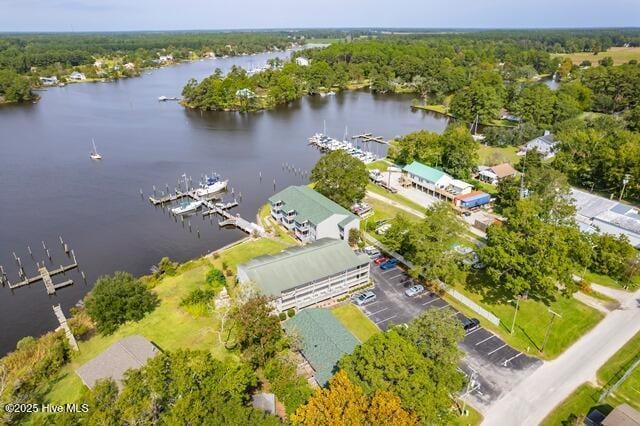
(533,319)
(490,155)
(355,321)
(620,55)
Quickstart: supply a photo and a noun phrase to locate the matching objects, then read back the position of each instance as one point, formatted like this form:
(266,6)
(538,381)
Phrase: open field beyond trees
(620,55)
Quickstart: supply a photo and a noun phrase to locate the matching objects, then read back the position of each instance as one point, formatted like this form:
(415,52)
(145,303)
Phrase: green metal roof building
(310,215)
(298,277)
(324,340)
(423,171)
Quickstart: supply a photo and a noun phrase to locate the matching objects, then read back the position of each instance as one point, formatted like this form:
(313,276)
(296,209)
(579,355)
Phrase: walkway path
(537,395)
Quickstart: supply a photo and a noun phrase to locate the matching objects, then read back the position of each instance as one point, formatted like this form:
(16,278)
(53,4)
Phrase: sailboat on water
(474,128)
(94,154)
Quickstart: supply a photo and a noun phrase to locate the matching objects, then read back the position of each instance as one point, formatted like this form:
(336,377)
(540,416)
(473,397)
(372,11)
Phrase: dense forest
(477,74)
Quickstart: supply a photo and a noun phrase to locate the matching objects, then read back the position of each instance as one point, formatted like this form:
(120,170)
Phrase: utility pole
(625,181)
(546,337)
(515,314)
(471,382)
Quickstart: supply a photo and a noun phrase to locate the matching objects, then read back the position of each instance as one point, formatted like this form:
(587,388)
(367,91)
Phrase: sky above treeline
(119,15)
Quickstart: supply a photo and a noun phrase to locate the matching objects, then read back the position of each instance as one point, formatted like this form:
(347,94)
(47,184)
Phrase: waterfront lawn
(246,250)
(492,155)
(533,319)
(169,326)
(355,321)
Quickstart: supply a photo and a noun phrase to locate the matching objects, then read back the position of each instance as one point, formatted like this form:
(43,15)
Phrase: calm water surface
(49,187)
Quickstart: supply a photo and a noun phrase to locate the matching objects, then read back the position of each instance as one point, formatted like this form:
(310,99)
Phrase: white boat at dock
(212,185)
(166,98)
(187,207)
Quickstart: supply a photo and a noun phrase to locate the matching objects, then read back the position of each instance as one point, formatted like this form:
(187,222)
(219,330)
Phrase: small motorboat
(212,186)
(187,207)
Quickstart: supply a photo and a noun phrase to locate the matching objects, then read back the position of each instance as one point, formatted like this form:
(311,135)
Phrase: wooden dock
(213,207)
(62,319)
(368,137)
(45,275)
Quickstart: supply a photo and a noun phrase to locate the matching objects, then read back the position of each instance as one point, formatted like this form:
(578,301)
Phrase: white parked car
(366,297)
(414,290)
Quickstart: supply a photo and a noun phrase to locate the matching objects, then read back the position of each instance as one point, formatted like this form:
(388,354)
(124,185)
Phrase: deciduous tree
(340,177)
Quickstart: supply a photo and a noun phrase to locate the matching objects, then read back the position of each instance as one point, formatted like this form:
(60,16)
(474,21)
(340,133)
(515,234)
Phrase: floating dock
(368,137)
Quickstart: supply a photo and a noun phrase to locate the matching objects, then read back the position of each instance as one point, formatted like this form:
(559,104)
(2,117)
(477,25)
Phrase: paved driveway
(496,366)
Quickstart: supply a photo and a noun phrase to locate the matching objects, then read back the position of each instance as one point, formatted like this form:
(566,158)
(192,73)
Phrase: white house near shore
(77,76)
(303,62)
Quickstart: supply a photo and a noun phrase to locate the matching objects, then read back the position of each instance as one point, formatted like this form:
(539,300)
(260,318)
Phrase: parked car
(366,297)
(414,290)
(381,260)
(470,324)
(389,264)
(372,252)
(382,229)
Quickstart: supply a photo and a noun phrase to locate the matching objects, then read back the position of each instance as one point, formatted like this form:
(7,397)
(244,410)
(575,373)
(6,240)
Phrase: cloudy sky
(105,15)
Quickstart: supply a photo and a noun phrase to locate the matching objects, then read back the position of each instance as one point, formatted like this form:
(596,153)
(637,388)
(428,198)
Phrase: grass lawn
(355,321)
(381,165)
(169,326)
(440,109)
(533,319)
(264,214)
(620,55)
(474,418)
(395,197)
(605,280)
(492,155)
(614,369)
(580,402)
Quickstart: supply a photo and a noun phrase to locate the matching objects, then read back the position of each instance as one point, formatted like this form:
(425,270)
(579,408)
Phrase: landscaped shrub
(282,316)
(291,312)
(198,296)
(216,278)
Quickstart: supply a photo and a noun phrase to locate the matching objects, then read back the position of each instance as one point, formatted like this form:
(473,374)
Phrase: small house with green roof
(434,182)
(310,215)
(303,276)
(324,340)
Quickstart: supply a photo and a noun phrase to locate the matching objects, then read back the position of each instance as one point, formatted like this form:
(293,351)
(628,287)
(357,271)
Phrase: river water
(50,188)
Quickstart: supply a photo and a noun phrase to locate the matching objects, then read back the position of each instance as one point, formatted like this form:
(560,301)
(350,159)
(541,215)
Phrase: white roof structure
(604,216)
(544,144)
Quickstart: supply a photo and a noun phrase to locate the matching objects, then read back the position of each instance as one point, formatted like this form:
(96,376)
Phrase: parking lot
(496,366)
